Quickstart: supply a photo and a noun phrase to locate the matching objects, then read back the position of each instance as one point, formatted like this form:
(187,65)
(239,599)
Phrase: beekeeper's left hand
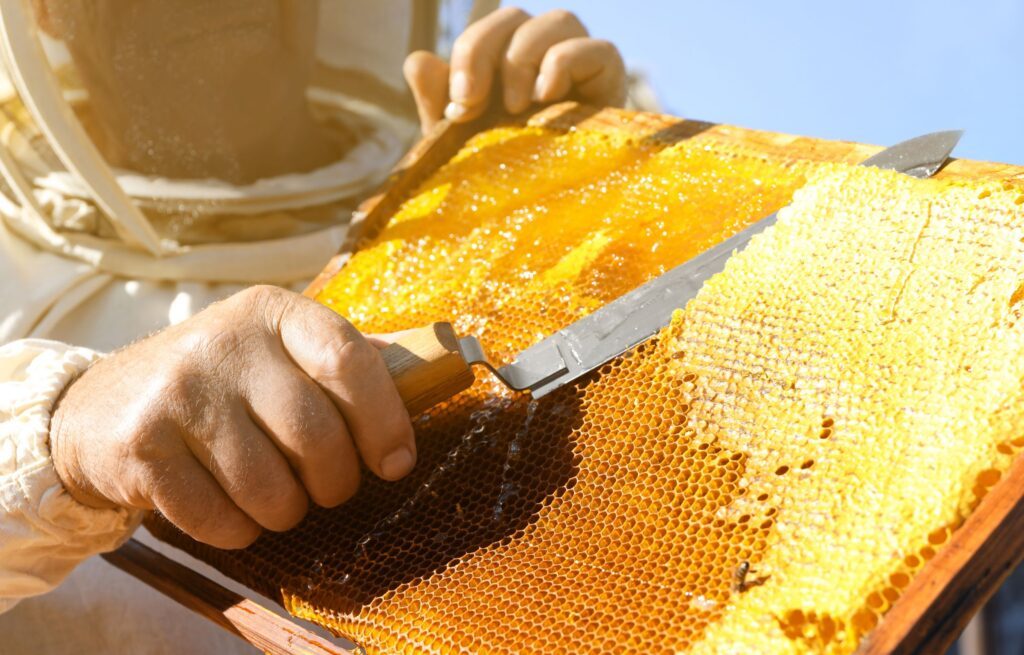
(534,59)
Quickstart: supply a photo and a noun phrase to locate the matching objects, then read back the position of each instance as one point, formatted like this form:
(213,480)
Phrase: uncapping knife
(431,364)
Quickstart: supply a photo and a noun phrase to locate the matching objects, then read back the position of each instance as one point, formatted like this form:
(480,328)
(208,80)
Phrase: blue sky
(876,71)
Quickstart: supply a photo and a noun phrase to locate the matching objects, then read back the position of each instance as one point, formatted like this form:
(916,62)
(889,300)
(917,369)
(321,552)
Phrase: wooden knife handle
(427,366)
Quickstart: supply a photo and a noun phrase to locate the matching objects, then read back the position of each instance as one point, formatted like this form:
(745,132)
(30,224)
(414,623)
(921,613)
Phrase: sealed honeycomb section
(766,475)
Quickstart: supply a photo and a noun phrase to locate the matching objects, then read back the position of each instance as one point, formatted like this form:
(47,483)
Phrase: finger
(352,373)
(427,76)
(526,52)
(476,56)
(308,431)
(189,496)
(251,470)
(590,66)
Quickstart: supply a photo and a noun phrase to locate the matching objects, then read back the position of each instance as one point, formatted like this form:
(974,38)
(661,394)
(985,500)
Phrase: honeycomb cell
(767,475)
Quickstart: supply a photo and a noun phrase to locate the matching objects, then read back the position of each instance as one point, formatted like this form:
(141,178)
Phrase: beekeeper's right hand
(235,419)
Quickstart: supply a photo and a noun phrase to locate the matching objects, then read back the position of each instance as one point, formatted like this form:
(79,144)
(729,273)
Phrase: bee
(740,581)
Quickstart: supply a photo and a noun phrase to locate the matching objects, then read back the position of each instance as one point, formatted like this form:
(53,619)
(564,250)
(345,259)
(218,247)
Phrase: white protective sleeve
(44,532)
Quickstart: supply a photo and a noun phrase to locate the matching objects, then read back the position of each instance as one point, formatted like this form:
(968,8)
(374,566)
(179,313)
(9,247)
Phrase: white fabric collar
(366,164)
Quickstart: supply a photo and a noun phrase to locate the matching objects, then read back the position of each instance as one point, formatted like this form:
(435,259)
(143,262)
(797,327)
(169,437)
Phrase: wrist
(64,454)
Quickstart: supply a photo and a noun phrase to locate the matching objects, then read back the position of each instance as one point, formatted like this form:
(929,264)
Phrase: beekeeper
(160,159)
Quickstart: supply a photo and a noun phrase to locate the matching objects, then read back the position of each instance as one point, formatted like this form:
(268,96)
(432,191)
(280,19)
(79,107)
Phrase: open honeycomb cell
(767,475)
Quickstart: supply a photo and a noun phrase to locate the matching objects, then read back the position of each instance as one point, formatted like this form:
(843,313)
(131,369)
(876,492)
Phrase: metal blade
(640,314)
(919,157)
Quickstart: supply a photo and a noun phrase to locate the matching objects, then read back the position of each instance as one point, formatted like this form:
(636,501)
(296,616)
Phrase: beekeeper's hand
(235,419)
(539,59)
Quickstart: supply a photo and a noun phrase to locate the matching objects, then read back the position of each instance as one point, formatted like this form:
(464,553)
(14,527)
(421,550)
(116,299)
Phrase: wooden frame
(238,615)
(942,597)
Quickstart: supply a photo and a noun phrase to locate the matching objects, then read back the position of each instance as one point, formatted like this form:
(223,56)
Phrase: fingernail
(397,464)
(514,100)
(540,88)
(454,111)
(459,87)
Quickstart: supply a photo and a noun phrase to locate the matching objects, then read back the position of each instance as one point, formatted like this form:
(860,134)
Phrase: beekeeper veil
(150,133)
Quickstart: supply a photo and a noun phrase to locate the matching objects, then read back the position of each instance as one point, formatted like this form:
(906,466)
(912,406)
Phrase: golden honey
(767,475)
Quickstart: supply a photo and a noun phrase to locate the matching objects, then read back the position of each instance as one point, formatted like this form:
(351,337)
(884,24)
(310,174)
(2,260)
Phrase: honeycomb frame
(953,585)
(966,569)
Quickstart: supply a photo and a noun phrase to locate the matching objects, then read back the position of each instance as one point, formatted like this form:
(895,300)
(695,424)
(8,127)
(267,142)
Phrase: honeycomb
(766,475)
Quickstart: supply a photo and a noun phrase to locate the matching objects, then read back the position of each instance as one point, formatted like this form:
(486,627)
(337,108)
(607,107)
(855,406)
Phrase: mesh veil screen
(845,392)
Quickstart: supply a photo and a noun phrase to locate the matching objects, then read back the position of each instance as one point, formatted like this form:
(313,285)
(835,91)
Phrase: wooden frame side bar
(235,613)
(965,572)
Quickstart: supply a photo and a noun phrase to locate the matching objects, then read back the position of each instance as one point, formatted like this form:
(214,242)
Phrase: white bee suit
(77,280)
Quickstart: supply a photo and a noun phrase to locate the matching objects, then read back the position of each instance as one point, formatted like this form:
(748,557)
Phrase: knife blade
(617,327)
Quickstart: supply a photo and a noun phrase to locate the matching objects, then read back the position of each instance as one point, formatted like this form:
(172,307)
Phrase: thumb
(427,76)
(351,371)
